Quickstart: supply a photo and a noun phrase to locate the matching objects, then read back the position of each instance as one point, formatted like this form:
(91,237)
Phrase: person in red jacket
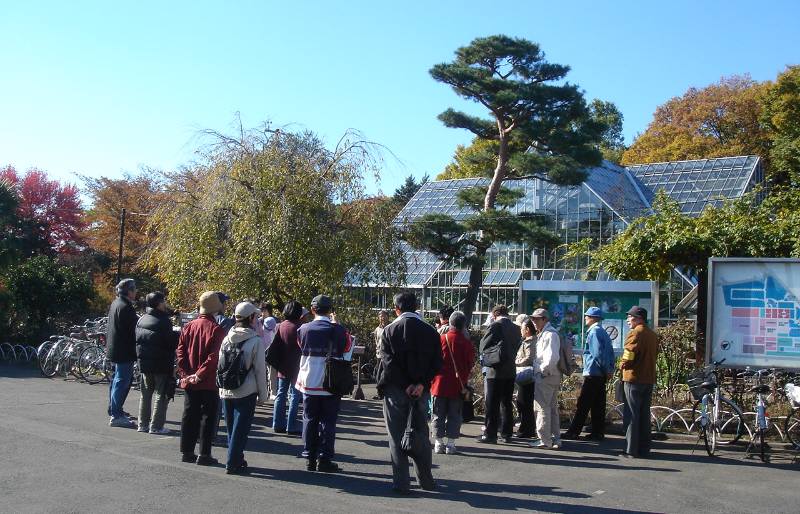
(198,356)
(458,356)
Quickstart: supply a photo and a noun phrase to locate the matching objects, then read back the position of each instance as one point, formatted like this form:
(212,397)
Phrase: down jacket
(156,342)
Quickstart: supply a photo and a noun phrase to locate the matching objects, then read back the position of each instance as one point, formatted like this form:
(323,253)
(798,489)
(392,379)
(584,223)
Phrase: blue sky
(99,88)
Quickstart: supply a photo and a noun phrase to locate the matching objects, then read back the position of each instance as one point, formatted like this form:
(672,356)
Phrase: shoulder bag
(338,379)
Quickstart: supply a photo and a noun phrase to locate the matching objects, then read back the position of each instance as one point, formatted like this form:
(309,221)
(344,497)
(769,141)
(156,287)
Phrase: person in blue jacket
(598,367)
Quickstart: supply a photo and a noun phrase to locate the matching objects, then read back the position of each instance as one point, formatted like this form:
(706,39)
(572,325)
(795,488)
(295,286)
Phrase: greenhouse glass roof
(695,184)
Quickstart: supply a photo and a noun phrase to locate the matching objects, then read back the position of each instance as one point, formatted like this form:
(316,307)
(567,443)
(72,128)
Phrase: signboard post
(754,312)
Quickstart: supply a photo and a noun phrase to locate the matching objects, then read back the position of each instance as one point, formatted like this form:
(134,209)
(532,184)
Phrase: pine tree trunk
(475,283)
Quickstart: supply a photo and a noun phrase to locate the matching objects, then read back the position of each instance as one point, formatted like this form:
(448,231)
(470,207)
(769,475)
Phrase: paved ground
(57,454)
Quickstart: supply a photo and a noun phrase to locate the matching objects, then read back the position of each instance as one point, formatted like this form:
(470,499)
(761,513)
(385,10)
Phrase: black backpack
(231,372)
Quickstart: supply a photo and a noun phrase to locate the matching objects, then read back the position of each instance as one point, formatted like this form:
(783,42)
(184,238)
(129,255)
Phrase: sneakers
(121,422)
(160,431)
(438,447)
(537,443)
(450,449)
(326,466)
(142,429)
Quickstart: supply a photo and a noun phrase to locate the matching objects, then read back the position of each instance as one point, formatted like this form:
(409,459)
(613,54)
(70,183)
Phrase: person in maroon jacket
(288,371)
(458,356)
(198,355)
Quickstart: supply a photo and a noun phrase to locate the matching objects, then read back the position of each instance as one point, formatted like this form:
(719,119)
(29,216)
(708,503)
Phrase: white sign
(754,312)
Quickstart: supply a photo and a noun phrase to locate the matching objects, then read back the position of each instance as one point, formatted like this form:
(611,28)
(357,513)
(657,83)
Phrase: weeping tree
(274,215)
(539,126)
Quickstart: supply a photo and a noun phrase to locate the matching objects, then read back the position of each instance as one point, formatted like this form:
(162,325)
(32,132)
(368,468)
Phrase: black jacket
(156,343)
(505,333)
(121,331)
(412,353)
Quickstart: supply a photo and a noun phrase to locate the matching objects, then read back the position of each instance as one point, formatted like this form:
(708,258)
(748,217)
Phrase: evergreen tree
(409,188)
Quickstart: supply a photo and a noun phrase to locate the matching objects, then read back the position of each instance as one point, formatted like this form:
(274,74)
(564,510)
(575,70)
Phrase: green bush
(42,297)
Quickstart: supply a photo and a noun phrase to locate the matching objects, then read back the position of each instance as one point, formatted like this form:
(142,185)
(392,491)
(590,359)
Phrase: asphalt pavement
(58,454)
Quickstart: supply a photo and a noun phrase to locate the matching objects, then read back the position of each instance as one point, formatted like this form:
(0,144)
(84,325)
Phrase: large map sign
(754,312)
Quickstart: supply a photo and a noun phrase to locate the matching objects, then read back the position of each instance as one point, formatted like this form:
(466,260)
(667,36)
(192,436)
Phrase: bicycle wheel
(730,421)
(791,428)
(710,432)
(762,446)
(49,365)
(91,364)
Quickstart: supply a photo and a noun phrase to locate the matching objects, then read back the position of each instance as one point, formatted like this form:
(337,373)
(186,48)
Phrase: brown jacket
(638,362)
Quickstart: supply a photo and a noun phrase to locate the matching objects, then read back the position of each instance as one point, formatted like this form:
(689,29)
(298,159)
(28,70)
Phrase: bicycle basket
(697,379)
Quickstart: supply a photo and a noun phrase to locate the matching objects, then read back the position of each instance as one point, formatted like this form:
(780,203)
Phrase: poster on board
(754,312)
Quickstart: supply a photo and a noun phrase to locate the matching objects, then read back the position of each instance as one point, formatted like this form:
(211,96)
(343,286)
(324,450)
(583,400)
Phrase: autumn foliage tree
(50,214)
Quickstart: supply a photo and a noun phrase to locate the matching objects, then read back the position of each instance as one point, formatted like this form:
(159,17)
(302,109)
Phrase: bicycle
(716,424)
(791,426)
(762,421)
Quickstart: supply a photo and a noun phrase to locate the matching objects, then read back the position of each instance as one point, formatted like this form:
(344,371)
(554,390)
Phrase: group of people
(422,374)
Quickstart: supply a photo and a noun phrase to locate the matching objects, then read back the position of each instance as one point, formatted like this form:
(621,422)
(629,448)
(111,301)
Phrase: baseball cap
(639,312)
(322,302)
(244,310)
(594,312)
(540,313)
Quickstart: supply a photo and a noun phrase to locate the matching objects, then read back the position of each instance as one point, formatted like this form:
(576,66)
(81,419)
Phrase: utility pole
(121,240)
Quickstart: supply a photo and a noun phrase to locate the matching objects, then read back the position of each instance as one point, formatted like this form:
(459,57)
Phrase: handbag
(275,353)
(338,379)
(525,376)
(409,436)
(467,409)
(619,390)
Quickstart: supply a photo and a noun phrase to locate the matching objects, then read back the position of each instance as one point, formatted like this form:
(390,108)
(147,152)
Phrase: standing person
(500,377)
(270,327)
(412,356)
(198,356)
(444,319)
(240,404)
(155,347)
(224,322)
(598,365)
(638,367)
(525,357)
(383,320)
(320,408)
(121,350)
(548,381)
(449,385)
(286,336)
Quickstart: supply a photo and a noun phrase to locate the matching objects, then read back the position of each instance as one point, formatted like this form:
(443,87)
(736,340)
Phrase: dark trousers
(319,425)
(199,419)
(499,407)
(636,418)
(396,405)
(592,398)
(525,409)
(238,418)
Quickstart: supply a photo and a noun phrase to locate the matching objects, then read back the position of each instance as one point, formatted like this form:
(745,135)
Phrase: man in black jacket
(500,377)
(411,356)
(155,347)
(121,350)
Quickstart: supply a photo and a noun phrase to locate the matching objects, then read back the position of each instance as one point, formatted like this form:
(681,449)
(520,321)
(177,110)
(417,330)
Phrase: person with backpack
(548,381)
(198,356)
(598,365)
(155,348)
(242,382)
(319,340)
(285,345)
(498,349)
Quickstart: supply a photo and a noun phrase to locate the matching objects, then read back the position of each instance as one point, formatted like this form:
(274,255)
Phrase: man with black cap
(638,367)
(320,408)
(121,350)
(598,364)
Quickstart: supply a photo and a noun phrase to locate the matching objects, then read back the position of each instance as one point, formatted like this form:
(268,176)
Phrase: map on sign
(756,314)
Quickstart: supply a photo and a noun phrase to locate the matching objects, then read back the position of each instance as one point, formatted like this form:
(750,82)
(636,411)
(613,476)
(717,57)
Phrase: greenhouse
(600,208)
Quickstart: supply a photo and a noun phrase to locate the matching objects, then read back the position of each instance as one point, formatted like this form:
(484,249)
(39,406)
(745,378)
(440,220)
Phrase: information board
(567,300)
(754,312)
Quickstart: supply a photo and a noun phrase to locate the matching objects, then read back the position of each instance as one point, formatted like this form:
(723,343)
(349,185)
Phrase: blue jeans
(279,421)
(238,419)
(119,388)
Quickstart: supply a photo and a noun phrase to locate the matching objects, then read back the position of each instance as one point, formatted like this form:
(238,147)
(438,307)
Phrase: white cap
(244,310)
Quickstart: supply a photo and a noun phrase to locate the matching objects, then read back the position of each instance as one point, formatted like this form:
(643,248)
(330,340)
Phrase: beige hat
(540,313)
(209,303)
(244,310)
(521,319)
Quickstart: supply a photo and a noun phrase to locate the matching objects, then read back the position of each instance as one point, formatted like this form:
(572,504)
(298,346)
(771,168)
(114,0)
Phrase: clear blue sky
(98,88)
